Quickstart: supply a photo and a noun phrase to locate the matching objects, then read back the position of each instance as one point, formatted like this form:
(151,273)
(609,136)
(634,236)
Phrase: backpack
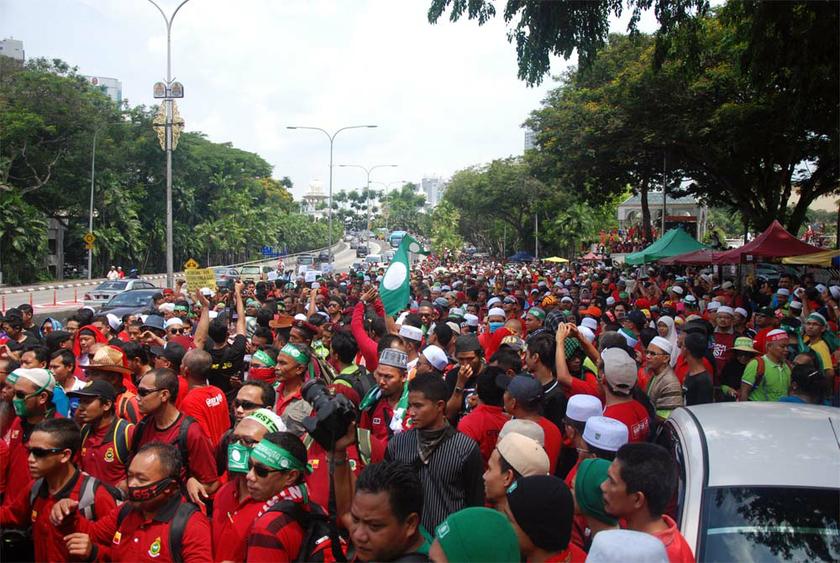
(360,380)
(87,495)
(124,408)
(320,536)
(118,435)
(182,437)
(176,528)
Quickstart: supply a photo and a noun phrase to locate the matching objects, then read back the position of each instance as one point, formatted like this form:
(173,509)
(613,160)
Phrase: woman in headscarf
(667,329)
(83,339)
(49,325)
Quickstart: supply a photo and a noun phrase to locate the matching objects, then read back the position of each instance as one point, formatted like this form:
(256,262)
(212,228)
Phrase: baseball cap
(620,370)
(581,407)
(524,454)
(521,387)
(99,388)
(605,433)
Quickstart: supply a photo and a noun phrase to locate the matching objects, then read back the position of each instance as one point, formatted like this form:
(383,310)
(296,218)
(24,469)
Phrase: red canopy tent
(590,256)
(702,256)
(775,242)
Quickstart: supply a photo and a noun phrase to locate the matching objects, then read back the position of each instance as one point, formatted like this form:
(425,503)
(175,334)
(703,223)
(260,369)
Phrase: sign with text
(200,277)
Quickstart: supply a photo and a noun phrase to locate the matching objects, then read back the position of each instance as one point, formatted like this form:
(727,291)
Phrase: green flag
(394,288)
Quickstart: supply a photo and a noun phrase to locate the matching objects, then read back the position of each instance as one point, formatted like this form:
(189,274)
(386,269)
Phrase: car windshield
(131,299)
(305,260)
(250,270)
(771,523)
(112,286)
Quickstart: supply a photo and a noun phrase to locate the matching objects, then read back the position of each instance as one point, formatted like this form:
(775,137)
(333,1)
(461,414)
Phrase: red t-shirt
(483,425)
(209,407)
(681,368)
(572,554)
(553,441)
(275,536)
(318,482)
(232,521)
(17,473)
(183,390)
(200,462)
(676,547)
(634,415)
(722,351)
(99,456)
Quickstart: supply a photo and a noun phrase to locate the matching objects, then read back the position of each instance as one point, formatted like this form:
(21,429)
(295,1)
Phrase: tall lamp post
(332,140)
(368,171)
(90,218)
(168,91)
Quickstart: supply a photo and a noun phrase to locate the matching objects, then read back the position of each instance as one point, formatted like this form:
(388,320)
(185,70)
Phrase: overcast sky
(444,96)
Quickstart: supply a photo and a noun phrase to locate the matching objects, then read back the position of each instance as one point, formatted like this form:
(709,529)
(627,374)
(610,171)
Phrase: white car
(106,290)
(758,481)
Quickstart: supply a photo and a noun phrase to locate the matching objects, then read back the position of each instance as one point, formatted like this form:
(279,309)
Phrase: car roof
(766,443)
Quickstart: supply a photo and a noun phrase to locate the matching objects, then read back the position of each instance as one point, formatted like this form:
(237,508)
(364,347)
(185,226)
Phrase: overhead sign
(200,277)
(190,264)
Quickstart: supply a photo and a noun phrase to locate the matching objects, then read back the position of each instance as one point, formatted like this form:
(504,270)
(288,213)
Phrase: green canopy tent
(674,242)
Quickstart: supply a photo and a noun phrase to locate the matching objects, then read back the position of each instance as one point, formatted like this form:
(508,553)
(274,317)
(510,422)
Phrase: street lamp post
(332,139)
(90,218)
(368,171)
(171,90)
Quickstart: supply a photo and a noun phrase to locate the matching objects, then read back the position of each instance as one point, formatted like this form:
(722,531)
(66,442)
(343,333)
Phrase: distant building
(314,201)
(529,138)
(12,48)
(109,86)
(685,212)
(433,188)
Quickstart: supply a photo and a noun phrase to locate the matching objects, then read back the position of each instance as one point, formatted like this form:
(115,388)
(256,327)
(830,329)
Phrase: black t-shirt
(698,389)
(227,362)
(451,379)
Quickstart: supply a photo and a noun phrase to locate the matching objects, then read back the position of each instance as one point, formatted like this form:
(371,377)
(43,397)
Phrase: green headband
(264,358)
(536,312)
(181,308)
(273,456)
(816,317)
(296,353)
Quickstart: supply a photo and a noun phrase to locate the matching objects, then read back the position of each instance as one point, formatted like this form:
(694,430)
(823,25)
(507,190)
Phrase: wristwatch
(459,389)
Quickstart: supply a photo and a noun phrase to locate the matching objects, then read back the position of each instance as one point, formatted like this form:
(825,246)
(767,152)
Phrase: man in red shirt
(143,529)
(485,421)
(640,483)
(522,398)
(620,373)
(109,364)
(52,447)
(157,392)
(207,404)
(234,509)
(106,439)
(379,404)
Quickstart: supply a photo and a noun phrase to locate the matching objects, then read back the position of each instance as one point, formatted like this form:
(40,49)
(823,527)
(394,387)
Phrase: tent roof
(674,242)
(702,256)
(774,242)
(824,258)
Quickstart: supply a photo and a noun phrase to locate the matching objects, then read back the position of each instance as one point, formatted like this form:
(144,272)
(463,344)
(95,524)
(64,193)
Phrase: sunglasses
(262,470)
(44,452)
(143,392)
(246,405)
(247,442)
(177,330)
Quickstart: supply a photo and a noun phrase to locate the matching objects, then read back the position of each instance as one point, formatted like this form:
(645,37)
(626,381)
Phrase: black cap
(173,352)
(522,387)
(467,343)
(98,388)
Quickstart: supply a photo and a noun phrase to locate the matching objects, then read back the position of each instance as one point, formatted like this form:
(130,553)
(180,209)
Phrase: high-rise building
(12,48)
(529,138)
(433,187)
(109,86)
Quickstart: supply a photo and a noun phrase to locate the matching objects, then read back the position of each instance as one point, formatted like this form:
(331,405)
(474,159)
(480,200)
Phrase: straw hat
(109,358)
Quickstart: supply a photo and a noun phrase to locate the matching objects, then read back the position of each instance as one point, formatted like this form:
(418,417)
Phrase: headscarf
(56,325)
(671,337)
(98,336)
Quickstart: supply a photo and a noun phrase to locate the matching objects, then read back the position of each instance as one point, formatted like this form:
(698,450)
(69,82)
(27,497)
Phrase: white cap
(726,285)
(527,428)
(492,301)
(741,311)
(113,321)
(581,407)
(795,304)
(820,287)
(454,327)
(496,312)
(677,289)
(207,292)
(524,454)
(662,344)
(470,319)
(41,378)
(300,317)
(605,433)
(626,546)
(567,299)
(166,307)
(411,332)
(610,301)
(436,356)
(586,333)
(174,321)
(713,305)
(783,291)
(725,310)
(835,291)
(690,298)
(589,323)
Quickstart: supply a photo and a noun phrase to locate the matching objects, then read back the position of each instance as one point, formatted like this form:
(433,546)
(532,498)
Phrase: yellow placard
(190,264)
(200,277)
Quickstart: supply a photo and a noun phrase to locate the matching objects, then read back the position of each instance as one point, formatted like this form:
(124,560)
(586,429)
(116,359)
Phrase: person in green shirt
(775,381)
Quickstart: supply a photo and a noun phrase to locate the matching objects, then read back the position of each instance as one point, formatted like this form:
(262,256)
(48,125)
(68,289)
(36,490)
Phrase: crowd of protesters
(508,413)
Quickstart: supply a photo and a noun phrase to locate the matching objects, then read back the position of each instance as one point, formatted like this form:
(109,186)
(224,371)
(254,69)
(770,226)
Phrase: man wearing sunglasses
(153,525)
(234,509)
(52,447)
(32,402)
(253,395)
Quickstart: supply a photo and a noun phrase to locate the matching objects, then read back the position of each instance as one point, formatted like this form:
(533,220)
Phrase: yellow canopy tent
(556,260)
(816,259)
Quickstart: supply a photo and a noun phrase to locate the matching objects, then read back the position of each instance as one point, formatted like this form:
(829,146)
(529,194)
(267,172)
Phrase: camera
(331,414)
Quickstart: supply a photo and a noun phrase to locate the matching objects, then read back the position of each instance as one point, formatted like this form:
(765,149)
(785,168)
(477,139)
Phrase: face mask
(261,373)
(20,407)
(148,492)
(494,326)
(238,456)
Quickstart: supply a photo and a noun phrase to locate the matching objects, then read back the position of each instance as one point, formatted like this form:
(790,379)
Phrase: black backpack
(182,438)
(117,433)
(360,380)
(176,529)
(321,541)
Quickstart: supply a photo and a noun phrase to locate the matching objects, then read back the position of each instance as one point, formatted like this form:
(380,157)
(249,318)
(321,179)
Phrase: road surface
(69,295)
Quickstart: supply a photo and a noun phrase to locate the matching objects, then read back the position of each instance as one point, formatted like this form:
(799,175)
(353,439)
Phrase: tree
(403,207)
(561,27)
(444,228)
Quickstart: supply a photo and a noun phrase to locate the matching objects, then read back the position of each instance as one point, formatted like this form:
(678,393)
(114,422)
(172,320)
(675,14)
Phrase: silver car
(108,289)
(757,481)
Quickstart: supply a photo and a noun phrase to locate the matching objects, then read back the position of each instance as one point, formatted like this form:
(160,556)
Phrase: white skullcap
(166,307)
(41,378)
(713,305)
(783,291)
(581,407)
(436,356)
(492,301)
(626,546)
(411,332)
(496,312)
(677,289)
(587,333)
(300,317)
(174,321)
(589,323)
(662,344)
(725,310)
(741,311)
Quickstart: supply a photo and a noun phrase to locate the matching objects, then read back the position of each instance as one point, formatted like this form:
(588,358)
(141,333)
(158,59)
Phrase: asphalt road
(56,297)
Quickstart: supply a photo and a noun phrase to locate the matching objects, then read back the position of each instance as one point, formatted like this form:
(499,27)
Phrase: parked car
(361,250)
(373,260)
(323,256)
(133,301)
(757,481)
(105,291)
(226,276)
(250,273)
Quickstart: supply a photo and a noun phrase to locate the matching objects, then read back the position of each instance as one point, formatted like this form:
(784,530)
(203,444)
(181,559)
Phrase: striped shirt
(452,477)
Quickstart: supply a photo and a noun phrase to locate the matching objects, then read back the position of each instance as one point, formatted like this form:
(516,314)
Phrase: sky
(444,96)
